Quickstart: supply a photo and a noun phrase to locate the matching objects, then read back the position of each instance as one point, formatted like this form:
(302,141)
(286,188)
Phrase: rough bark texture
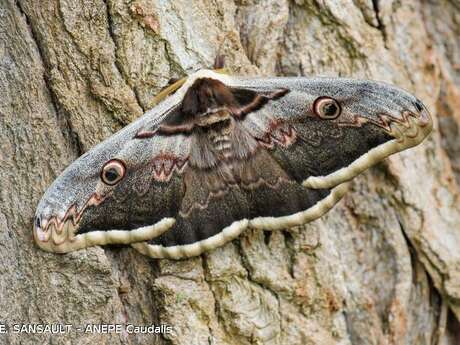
(383,267)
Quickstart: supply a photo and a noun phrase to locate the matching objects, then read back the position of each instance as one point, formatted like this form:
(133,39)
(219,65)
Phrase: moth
(224,153)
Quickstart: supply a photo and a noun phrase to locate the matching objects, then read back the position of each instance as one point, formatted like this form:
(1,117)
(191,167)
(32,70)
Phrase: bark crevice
(380,24)
(64,121)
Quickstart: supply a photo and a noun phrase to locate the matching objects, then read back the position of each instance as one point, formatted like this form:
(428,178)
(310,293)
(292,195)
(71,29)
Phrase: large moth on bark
(225,153)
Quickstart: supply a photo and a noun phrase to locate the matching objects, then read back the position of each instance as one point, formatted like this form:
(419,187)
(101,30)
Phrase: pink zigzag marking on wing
(73,214)
(278,133)
(165,164)
(383,120)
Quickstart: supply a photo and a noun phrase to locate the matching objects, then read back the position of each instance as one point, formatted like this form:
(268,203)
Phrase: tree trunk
(383,267)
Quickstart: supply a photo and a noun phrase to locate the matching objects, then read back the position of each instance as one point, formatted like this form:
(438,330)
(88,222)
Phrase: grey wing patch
(141,207)
(370,121)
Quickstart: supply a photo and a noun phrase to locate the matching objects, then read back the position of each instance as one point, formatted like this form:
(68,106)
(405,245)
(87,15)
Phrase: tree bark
(383,267)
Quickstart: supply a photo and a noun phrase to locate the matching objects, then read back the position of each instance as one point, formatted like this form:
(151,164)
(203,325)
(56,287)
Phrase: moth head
(206,94)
